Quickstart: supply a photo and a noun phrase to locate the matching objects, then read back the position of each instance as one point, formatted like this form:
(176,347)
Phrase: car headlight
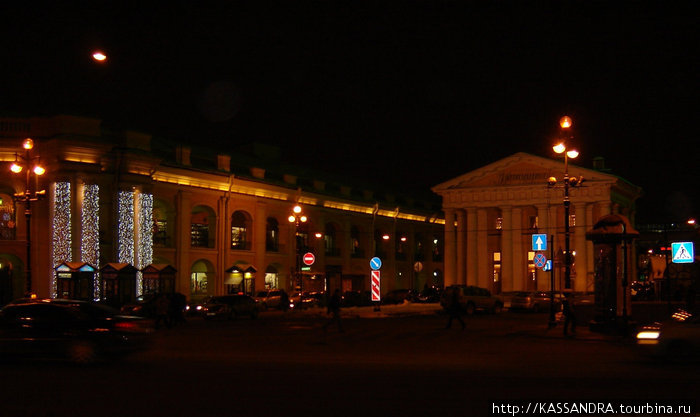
(648,335)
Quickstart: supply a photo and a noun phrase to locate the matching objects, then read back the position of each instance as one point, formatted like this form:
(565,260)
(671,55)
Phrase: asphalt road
(286,365)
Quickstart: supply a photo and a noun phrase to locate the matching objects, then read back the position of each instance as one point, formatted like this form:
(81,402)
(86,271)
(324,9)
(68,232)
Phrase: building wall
(77,152)
(495,210)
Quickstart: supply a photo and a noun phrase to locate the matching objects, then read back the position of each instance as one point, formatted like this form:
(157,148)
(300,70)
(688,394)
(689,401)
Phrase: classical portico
(492,212)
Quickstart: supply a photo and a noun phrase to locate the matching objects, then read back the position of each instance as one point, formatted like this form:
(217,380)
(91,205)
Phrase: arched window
(202,270)
(356,249)
(330,239)
(240,231)
(203,227)
(163,223)
(272,235)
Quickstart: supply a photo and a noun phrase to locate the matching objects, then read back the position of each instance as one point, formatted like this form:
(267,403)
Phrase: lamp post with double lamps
(564,147)
(29,164)
(297,217)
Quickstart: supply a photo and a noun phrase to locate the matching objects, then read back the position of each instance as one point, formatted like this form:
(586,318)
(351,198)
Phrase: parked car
(274,298)
(81,331)
(472,298)
(356,299)
(675,339)
(428,295)
(535,301)
(306,300)
(397,296)
(230,307)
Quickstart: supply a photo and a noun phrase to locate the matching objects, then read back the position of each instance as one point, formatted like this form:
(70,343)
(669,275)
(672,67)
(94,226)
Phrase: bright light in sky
(99,56)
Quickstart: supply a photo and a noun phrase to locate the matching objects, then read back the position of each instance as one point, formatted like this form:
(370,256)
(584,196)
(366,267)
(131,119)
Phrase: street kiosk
(75,280)
(118,283)
(158,279)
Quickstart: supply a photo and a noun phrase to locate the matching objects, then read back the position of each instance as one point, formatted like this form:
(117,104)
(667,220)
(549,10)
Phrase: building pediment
(521,169)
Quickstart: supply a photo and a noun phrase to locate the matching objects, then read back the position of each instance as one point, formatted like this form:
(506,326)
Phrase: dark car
(675,339)
(230,307)
(472,298)
(535,301)
(81,331)
(397,296)
(306,300)
(428,295)
(356,299)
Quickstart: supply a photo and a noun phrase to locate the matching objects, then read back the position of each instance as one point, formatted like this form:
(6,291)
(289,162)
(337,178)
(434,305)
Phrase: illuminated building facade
(491,214)
(219,220)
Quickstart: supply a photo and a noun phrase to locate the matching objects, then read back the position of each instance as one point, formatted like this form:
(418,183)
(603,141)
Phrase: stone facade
(492,212)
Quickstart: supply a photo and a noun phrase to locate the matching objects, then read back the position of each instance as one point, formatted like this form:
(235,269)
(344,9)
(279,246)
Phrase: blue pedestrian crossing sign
(683,252)
(539,242)
(375,263)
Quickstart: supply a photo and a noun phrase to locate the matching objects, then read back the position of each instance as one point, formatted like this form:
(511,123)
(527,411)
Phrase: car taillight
(131,326)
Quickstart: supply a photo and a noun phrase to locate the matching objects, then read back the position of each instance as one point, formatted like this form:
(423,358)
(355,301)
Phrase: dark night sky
(414,93)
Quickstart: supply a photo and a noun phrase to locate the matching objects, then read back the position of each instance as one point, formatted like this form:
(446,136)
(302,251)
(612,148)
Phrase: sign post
(375,281)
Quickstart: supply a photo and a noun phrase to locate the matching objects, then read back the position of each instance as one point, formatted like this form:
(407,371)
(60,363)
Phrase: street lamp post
(562,148)
(24,163)
(297,217)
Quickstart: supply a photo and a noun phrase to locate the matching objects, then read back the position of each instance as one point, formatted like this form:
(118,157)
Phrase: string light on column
(144,241)
(90,230)
(61,231)
(126,227)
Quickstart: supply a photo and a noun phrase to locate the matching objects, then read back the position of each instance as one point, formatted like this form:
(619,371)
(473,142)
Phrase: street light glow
(565,122)
(559,148)
(291,219)
(297,209)
(572,153)
(28,144)
(39,170)
(16,168)
(99,56)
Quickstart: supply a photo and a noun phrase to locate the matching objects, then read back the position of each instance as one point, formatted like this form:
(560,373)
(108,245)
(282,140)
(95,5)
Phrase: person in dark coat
(569,315)
(454,309)
(334,310)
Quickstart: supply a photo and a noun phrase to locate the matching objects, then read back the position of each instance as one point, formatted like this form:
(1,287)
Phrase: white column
(450,249)
(507,236)
(472,247)
(484,271)
(579,245)
(461,247)
(518,272)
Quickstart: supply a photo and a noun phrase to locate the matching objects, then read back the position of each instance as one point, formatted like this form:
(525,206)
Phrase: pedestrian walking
(569,315)
(162,308)
(454,309)
(334,311)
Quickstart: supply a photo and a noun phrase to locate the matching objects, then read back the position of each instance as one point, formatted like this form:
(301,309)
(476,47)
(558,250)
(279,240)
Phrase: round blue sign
(540,260)
(375,263)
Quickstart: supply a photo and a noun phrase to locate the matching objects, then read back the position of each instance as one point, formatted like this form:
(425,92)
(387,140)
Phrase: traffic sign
(539,241)
(376,286)
(540,260)
(375,263)
(683,252)
(547,265)
(309,258)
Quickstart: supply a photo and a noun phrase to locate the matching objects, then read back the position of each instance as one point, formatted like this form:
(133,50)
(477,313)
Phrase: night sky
(412,93)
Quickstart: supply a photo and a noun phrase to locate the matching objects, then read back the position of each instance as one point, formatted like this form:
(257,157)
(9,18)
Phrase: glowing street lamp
(29,164)
(297,217)
(562,148)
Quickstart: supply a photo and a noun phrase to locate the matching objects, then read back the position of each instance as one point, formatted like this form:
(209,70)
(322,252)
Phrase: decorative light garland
(90,231)
(61,230)
(144,238)
(125,242)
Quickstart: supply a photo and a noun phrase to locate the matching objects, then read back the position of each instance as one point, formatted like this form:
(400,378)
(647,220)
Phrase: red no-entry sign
(309,259)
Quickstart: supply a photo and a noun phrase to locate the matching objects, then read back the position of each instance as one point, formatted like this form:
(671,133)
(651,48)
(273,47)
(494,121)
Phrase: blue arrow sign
(683,252)
(375,263)
(539,242)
